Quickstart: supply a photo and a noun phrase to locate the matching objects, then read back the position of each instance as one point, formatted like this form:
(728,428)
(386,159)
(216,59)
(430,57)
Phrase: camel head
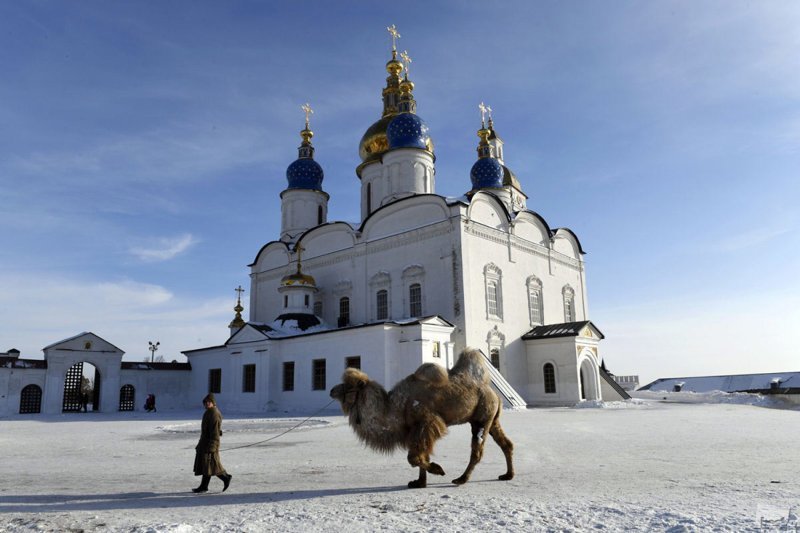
(353,381)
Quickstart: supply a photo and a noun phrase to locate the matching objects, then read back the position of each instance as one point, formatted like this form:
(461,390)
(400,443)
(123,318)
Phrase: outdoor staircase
(511,398)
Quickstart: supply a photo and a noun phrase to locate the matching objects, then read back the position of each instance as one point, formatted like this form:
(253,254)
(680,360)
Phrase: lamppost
(153,348)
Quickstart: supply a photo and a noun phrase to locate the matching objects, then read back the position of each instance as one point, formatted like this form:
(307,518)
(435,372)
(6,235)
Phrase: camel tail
(471,364)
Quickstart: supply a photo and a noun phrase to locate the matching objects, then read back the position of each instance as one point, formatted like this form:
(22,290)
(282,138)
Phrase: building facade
(419,278)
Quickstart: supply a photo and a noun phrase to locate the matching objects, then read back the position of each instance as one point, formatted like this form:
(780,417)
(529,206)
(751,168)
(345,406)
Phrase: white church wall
(406,216)
(561,353)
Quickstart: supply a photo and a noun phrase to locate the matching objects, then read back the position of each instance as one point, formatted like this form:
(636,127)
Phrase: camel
(418,410)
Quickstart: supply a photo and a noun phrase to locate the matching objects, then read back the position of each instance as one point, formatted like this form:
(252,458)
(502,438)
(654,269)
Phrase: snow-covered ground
(646,465)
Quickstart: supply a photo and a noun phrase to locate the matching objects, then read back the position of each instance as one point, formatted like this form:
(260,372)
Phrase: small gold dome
(298,278)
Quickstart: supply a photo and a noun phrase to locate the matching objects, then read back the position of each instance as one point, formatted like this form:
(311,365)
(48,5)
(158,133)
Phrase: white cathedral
(418,279)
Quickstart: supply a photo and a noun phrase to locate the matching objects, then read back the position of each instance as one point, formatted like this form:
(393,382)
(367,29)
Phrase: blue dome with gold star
(407,130)
(487,172)
(305,173)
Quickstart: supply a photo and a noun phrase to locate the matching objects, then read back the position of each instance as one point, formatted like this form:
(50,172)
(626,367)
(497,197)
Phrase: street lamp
(153,348)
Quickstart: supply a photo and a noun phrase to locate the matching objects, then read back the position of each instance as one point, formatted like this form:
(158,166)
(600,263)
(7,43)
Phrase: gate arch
(79,390)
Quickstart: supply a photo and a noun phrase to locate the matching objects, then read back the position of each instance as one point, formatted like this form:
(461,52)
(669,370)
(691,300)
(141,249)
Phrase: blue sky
(144,145)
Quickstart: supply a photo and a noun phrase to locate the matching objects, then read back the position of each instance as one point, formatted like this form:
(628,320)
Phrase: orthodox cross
(307,110)
(484,108)
(240,290)
(406,59)
(299,248)
(395,35)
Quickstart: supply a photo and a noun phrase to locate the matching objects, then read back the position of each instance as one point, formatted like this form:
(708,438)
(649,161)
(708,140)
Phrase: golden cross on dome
(299,249)
(307,110)
(489,111)
(484,108)
(240,290)
(406,59)
(395,35)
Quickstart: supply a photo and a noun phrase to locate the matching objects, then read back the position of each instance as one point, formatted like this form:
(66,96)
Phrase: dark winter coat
(206,459)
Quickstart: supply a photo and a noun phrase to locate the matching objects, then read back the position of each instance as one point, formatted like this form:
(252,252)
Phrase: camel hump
(471,365)
(431,373)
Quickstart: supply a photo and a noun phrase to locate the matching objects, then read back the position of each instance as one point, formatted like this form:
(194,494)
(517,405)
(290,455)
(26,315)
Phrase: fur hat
(210,398)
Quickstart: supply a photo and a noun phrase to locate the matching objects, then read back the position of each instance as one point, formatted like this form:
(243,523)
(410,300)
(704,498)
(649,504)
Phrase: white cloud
(36,311)
(165,248)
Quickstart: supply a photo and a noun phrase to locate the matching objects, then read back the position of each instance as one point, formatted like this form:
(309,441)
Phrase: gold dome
(298,278)
(374,143)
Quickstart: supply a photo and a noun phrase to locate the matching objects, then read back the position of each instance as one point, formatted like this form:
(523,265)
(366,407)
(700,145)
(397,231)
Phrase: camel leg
(419,456)
(421,482)
(507,446)
(479,432)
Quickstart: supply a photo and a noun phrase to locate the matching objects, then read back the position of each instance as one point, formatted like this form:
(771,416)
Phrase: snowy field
(642,465)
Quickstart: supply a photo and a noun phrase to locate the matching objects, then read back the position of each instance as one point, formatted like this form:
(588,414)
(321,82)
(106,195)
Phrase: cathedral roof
(399,126)
(567,329)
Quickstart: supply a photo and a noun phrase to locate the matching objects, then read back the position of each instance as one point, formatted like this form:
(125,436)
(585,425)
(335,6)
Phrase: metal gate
(72,389)
(30,400)
(127,398)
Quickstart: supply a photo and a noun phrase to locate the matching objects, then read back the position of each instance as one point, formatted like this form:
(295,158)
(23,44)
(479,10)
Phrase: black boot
(203,485)
(226,479)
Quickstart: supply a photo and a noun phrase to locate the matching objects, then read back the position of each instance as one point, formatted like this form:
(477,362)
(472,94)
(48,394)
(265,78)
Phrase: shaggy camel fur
(417,411)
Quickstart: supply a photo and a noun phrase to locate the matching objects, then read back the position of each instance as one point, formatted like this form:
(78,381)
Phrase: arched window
(549,378)
(369,198)
(569,304)
(494,355)
(382,304)
(380,286)
(30,400)
(344,311)
(535,306)
(127,398)
(414,284)
(306,300)
(319,215)
(285,301)
(494,294)
(415,299)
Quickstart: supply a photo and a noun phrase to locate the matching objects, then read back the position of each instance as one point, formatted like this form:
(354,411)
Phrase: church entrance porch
(590,388)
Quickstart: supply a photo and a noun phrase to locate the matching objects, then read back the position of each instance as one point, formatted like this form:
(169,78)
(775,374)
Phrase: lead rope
(285,432)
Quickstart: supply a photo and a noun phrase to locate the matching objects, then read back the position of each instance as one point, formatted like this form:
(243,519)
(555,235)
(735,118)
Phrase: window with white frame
(415,300)
(535,304)
(569,304)
(344,311)
(413,281)
(494,357)
(380,285)
(494,294)
(382,304)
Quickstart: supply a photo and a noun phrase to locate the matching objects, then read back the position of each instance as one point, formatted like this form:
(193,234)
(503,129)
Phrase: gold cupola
(374,143)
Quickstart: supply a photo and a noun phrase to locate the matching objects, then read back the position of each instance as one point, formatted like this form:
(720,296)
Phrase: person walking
(206,460)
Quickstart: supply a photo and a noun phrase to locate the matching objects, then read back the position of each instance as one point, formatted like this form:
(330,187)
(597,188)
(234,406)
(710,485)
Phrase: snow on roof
(730,383)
